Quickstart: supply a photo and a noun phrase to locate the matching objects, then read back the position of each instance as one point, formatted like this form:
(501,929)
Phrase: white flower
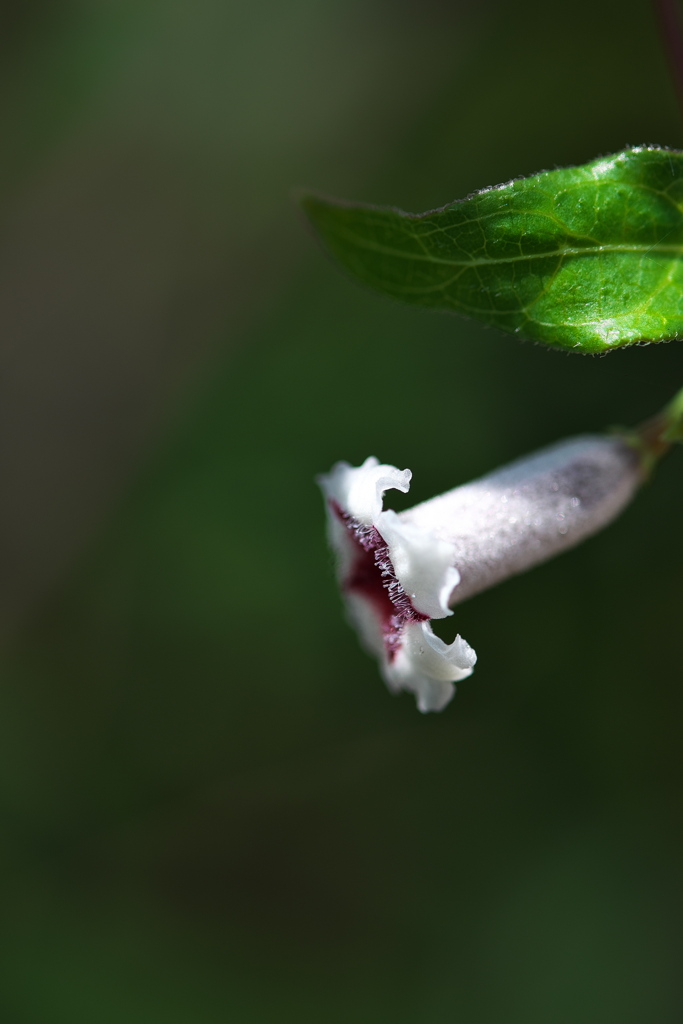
(399,571)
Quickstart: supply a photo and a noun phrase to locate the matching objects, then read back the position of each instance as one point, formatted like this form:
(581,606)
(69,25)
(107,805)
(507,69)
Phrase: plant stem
(673,414)
(668,16)
(653,438)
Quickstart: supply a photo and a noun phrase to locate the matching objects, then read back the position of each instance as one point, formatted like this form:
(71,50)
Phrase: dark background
(211,808)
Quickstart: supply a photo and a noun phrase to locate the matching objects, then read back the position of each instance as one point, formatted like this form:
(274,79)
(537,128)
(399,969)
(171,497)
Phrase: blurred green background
(212,810)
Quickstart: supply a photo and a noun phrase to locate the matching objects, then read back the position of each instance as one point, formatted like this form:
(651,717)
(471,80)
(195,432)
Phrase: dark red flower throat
(372,577)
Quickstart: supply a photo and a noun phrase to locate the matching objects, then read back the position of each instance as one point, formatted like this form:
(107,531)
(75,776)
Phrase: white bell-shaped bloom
(400,570)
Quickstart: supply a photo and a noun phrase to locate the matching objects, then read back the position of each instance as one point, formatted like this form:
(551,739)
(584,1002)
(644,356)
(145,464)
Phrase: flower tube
(398,571)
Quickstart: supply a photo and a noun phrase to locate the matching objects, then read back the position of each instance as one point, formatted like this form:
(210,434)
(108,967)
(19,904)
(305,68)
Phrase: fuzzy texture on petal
(423,562)
(530,510)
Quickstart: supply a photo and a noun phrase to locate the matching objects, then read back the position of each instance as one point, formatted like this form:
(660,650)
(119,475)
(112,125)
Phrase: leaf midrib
(585,250)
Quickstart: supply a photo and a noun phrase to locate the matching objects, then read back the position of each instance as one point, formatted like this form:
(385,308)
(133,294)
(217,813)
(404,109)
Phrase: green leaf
(585,258)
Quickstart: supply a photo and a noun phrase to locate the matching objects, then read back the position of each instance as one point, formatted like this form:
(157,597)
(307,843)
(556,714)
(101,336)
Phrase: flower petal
(394,577)
(359,490)
(428,667)
(423,564)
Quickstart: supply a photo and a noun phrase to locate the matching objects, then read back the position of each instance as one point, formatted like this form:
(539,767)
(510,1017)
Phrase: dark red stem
(670,24)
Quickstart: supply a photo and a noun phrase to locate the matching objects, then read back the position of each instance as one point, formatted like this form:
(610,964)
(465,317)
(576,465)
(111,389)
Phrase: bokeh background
(211,809)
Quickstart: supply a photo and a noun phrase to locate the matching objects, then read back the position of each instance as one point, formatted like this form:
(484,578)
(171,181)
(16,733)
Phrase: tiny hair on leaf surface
(586,259)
